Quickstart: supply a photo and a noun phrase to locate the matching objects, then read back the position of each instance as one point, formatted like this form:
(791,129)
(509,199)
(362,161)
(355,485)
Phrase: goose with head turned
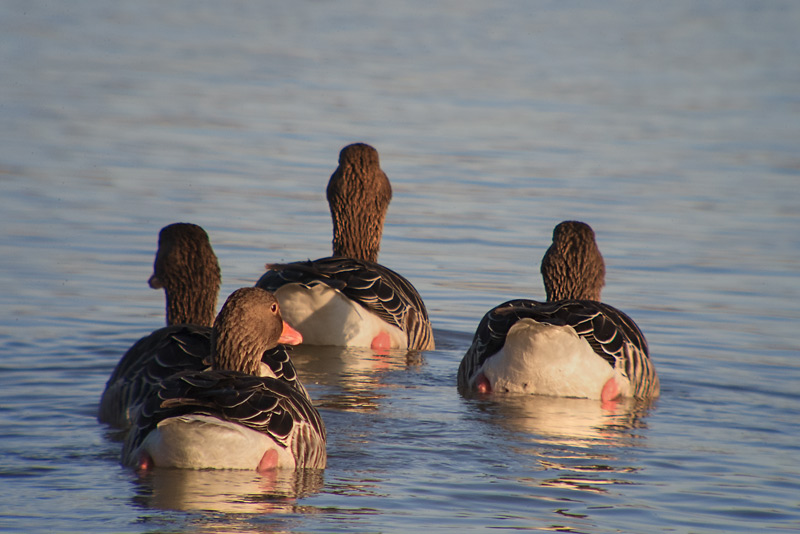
(573,345)
(349,299)
(228,417)
(187,269)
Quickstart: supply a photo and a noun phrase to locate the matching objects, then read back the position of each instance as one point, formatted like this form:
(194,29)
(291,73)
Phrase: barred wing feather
(375,287)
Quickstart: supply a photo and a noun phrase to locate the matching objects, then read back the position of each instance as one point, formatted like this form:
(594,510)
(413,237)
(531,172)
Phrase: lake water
(673,128)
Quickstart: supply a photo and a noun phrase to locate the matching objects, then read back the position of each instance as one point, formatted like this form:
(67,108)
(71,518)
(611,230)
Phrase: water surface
(672,129)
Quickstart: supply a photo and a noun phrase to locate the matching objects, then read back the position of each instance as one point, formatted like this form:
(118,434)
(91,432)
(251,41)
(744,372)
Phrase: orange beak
(290,336)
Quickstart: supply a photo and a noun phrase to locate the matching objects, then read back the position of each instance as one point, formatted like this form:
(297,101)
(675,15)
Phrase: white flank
(324,316)
(548,360)
(201,441)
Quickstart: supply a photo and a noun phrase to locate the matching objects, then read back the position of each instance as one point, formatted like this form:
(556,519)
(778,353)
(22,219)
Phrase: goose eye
(274,308)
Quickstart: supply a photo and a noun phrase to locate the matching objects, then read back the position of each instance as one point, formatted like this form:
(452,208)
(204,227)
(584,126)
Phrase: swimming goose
(570,346)
(349,299)
(228,417)
(187,269)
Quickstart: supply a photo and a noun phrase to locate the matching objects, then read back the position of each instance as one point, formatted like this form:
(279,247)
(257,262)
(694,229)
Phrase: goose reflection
(349,378)
(581,441)
(227,491)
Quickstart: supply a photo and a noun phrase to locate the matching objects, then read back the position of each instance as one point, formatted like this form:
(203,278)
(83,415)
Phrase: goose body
(571,347)
(347,302)
(146,364)
(200,441)
(187,269)
(171,350)
(331,318)
(349,299)
(229,417)
(227,420)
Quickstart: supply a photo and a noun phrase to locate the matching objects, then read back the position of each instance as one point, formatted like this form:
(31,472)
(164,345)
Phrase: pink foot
(610,394)
(381,342)
(268,462)
(482,384)
(145,462)
(610,390)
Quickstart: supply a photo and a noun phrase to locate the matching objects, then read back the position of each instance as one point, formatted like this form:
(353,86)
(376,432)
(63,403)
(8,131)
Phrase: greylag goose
(573,345)
(187,269)
(349,299)
(228,417)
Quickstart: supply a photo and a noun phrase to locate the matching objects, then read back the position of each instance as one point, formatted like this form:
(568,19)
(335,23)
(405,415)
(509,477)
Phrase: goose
(228,417)
(349,299)
(187,269)
(573,345)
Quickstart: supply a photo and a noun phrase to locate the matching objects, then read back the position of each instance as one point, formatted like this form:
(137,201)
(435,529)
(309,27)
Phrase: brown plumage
(574,274)
(358,195)
(573,268)
(187,269)
(231,392)
(249,323)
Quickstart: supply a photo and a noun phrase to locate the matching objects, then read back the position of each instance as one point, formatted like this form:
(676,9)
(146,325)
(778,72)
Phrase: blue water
(672,128)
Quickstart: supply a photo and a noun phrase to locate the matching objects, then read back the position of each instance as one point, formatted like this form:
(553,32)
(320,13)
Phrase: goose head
(248,324)
(573,268)
(358,195)
(188,271)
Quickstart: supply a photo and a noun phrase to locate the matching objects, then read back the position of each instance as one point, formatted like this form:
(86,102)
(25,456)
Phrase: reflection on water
(558,421)
(227,491)
(582,440)
(667,128)
(341,380)
(349,378)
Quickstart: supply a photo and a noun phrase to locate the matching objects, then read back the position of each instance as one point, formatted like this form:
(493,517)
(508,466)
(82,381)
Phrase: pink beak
(290,336)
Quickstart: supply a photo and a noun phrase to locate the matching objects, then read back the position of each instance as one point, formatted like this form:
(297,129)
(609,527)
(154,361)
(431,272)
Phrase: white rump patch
(547,360)
(201,441)
(324,316)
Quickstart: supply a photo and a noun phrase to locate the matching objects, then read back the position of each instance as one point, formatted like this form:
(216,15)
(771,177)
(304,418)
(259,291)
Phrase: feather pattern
(149,361)
(187,269)
(547,359)
(358,195)
(267,405)
(166,352)
(231,415)
(611,333)
(373,286)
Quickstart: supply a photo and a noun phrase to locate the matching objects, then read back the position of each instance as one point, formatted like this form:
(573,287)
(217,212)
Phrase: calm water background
(672,128)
